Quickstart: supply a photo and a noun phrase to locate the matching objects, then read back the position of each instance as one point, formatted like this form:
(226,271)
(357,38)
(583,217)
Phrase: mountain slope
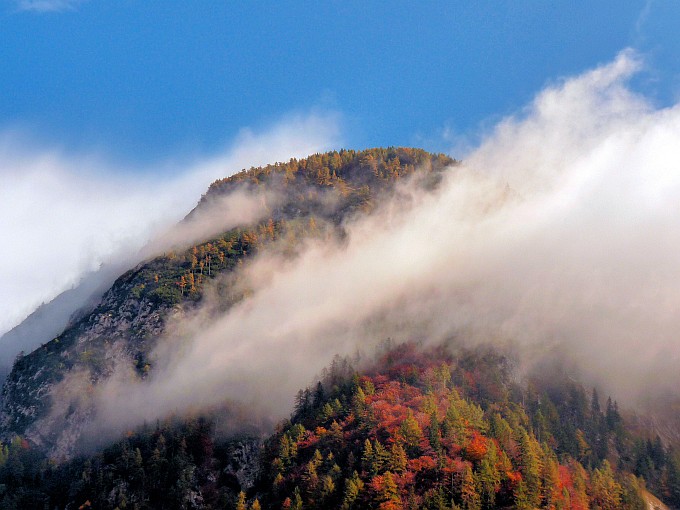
(414,428)
(47,396)
(51,318)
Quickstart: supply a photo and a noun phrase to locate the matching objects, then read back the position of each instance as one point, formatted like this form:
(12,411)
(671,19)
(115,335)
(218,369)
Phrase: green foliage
(425,442)
(392,437)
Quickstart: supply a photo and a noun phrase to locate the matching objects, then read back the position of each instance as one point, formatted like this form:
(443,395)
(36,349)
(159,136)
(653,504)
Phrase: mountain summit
(45,397)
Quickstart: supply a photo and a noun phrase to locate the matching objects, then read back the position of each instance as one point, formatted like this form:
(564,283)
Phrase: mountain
(45,397)
(410,426)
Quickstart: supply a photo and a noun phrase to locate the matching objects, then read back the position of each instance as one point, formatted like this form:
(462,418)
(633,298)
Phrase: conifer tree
(241,501)
(353,487)
(411,433)
(398,458)
(368,459)
(468,490)
(605,492)
(530,466)
(390,491)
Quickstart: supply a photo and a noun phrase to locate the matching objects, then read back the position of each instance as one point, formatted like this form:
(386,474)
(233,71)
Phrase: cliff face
(46,398)
(44,401)
(50,319)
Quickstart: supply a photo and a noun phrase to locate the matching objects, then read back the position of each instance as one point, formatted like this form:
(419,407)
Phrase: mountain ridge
(132,313)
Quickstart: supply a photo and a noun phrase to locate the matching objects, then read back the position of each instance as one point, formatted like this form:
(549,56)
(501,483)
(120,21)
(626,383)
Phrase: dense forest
(415,428)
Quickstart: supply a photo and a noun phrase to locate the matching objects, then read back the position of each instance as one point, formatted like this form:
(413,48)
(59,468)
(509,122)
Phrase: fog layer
(63,215)
(559,234)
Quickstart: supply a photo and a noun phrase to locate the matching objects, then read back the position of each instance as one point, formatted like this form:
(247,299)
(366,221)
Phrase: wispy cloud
(579,260)
(49,5)
(641,21)
(62,215)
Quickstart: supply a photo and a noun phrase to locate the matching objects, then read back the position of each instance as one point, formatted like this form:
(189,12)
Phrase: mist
(559,236)
(64,215)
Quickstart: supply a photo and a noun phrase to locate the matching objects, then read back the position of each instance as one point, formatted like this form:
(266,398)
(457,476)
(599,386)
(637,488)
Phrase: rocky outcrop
(46,397)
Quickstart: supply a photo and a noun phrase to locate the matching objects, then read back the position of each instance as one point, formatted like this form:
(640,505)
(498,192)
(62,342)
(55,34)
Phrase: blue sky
(144,81)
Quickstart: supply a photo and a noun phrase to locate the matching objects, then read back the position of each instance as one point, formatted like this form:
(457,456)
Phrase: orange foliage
(391,505)
(565,477)
(422,463)
(388,415)
(477,448)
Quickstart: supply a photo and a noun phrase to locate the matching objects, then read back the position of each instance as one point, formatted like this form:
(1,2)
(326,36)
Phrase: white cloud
(62,215)
(48,5)
(580,257)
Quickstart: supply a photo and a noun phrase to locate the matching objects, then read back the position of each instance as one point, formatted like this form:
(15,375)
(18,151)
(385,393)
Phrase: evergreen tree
(468,490)
(530,466)
(398,458)
(605,492)
(353,487)
(241,501)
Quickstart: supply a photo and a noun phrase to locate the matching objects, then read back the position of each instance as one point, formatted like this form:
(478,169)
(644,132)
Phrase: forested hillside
(417,428)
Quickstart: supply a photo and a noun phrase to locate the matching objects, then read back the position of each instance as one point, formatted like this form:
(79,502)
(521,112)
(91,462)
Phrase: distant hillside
(447,428)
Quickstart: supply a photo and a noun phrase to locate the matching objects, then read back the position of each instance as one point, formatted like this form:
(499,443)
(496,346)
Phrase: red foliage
(452,448)
(422,463)
(514,477)
(566,479)
(399,394)
(388,416)
(405,479)
(469,379)
(390,505)
(477,448)
(377,483)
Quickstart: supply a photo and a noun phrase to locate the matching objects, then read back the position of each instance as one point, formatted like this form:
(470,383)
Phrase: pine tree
(530,466)
(468,490)
(368,459)
(241,501)
(297,500)
(353,487)
(398,458)
(390,491)
(550,478)
(488,477)
(605,492)
(381,457)
(411,433)
(434,434)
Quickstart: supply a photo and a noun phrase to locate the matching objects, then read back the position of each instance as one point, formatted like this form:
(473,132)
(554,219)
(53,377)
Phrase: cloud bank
(42,6)
(64,215)
(560,235)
